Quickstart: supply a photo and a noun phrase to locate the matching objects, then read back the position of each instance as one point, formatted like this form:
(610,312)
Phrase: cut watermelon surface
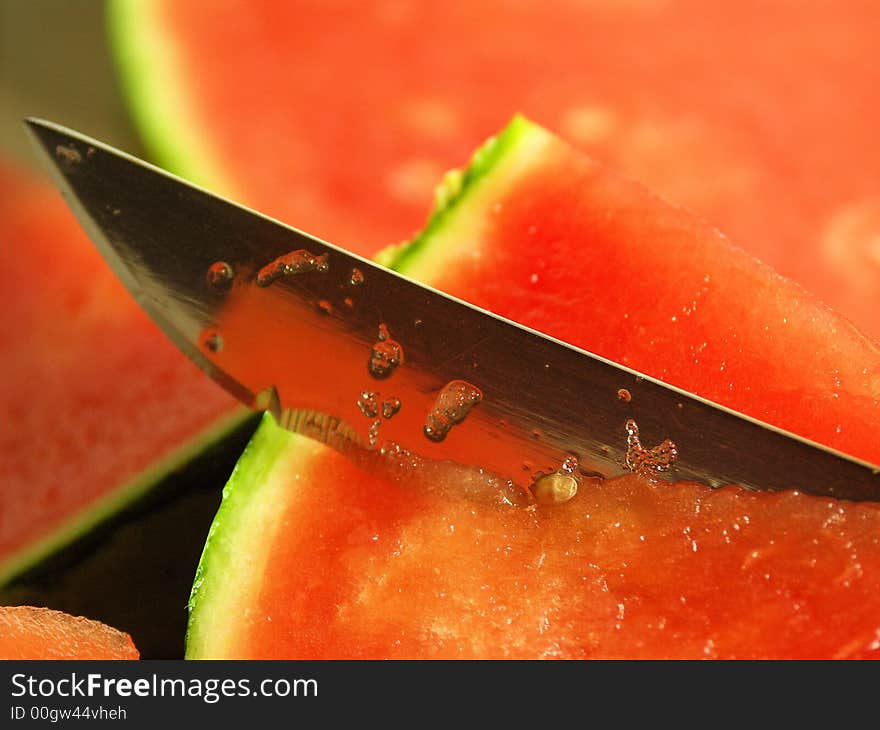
(40,633)
(97,404)
(340,117)
(310,557)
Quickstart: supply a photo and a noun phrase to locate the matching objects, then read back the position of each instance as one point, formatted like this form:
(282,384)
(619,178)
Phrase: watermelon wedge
(340,117)
(40,633)
(97,405)
(310,557)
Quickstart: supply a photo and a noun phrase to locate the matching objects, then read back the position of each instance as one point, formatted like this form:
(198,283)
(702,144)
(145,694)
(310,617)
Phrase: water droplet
(213,341)
(451,407)
(645,461)
(373,432)
(570,465)
(554,488)
(220,275)
(386,354)
(624,395)
(356,278)
(68,154)
(325,306)
(369,403)
(390,407)
(290,264)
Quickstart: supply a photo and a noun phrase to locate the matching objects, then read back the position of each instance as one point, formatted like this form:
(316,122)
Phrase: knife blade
(351,353)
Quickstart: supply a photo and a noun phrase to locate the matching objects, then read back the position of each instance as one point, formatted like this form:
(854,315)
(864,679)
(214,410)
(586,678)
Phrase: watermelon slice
(309,557)
(339,117)
(97,405)
(40,633)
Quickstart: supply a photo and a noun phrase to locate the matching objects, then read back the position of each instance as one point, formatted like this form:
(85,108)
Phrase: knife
(343,350)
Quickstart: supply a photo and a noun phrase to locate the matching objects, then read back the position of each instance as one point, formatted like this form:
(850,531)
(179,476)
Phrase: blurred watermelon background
(761,116)
(134,569)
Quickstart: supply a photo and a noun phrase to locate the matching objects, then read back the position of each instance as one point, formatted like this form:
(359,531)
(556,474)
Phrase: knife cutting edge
(349,352)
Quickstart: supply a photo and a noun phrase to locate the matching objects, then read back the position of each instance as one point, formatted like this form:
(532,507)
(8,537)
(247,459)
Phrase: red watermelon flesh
(309,557)
(339,117)
(40,633)
(572,249)
(96,402)
(351,565)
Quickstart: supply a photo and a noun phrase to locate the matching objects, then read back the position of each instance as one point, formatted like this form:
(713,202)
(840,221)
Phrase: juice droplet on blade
(390,407)
(368,403)
(212,341)
(386,354)
(220,275)
(647,461)
(68,154)
(373,432)
(451,407)
(291,264)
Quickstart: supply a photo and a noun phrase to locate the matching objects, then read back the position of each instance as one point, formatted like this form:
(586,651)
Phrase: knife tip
(38,129)
(36,125)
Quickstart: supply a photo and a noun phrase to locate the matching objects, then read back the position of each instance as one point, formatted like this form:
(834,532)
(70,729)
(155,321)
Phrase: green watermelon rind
(455,187)
(244,502)
(88,518)
(150,71)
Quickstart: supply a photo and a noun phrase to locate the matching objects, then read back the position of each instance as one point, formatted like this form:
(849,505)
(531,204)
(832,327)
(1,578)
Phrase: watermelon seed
(624,395)
(554,488)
